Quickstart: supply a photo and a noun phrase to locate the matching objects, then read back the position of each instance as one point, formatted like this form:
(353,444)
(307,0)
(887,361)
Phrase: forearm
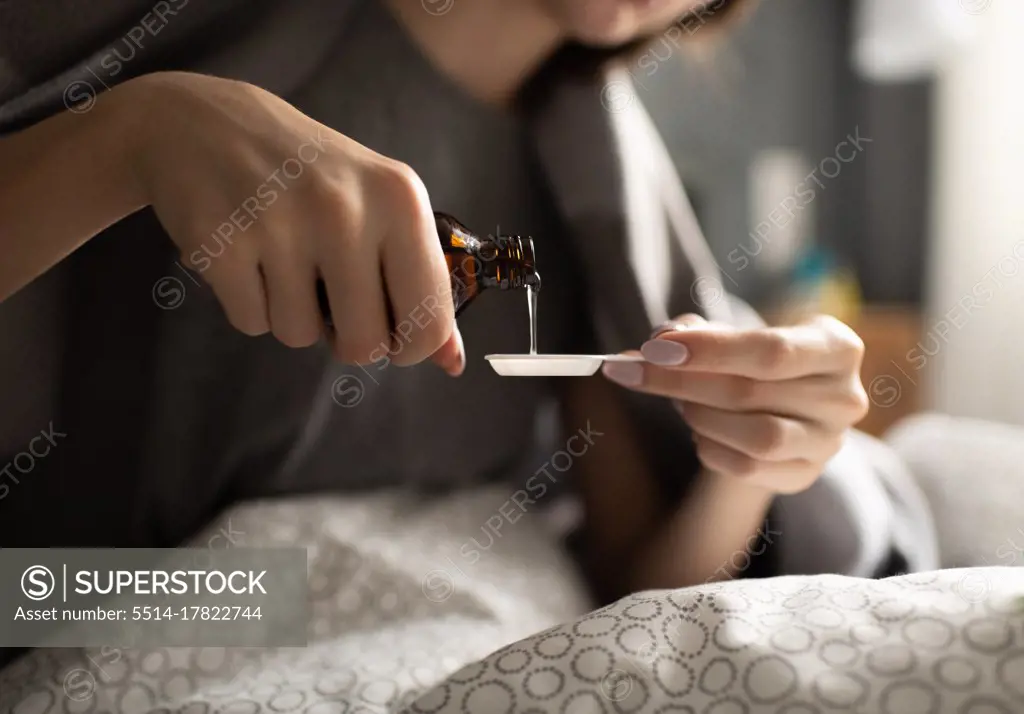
(632,540)
(62,181)
(710,536)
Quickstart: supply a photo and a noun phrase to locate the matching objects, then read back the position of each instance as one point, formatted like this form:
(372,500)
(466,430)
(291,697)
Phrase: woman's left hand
(768,405)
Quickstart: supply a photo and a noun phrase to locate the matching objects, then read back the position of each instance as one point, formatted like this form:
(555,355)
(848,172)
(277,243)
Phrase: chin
(600,22)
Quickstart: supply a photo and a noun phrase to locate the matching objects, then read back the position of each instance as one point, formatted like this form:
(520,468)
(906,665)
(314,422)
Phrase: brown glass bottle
(475,263)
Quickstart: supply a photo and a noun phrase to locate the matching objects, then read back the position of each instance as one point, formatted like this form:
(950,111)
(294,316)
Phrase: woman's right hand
(262,200)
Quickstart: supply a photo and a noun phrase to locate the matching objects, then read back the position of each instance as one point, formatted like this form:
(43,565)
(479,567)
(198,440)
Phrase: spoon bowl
(534,365)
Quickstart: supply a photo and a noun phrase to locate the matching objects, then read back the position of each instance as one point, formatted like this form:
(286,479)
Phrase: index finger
(416,274)
(766,354)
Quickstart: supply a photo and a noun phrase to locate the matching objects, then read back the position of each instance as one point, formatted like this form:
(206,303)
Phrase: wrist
(127,120)
(62,181)
(736,491)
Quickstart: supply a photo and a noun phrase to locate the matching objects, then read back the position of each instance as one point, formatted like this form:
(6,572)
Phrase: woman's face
(614,22)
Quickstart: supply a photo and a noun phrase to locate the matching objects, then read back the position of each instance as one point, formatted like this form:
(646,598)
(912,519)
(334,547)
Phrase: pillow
(946,641)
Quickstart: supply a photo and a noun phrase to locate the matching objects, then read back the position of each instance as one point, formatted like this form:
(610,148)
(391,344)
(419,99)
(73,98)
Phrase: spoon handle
(623,358)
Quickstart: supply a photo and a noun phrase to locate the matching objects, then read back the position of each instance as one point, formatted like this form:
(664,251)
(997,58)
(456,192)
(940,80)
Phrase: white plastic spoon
(532,365)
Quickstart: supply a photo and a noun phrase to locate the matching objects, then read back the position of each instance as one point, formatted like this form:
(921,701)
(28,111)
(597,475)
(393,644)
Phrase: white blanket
(408,597)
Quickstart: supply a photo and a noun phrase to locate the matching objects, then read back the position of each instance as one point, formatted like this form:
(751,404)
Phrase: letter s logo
(38,583)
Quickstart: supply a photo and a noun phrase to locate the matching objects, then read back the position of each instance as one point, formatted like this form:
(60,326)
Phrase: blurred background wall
(978,222)
(859,157)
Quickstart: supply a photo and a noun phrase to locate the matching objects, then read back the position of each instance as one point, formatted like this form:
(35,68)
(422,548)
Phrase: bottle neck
(509,262)
(476,263)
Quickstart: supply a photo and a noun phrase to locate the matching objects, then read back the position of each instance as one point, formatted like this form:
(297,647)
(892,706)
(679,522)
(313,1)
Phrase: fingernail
(451,357)
(665,353)
(460,361)
(667,327)
(628,374)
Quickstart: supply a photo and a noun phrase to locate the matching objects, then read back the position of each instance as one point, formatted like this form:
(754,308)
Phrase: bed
(407,618)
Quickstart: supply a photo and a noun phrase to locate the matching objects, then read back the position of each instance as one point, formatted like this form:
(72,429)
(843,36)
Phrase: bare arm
(631,543)
(63,181)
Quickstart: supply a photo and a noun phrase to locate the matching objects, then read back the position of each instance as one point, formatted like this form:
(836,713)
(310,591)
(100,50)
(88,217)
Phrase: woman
(344,126)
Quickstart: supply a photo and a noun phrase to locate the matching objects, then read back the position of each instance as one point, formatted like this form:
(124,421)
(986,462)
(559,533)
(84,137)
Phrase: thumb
(678,324)
(451,356)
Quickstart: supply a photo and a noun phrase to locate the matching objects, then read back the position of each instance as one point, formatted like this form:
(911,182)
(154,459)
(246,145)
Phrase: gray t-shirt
(171,414)
(423,426)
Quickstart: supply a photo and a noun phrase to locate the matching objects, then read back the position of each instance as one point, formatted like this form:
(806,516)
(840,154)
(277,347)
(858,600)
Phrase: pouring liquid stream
(531,302)
(543,365)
